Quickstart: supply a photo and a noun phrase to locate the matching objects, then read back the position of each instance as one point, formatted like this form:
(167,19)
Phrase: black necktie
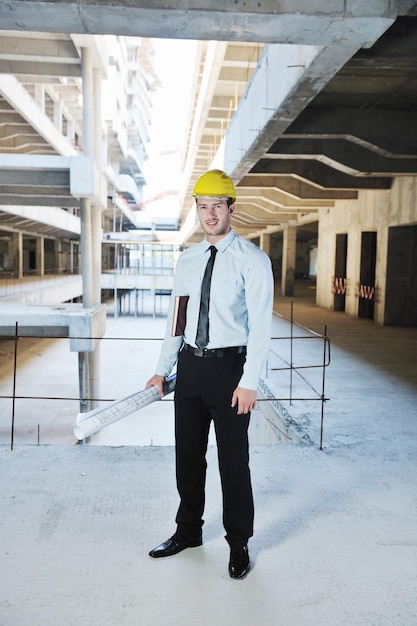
(202,337)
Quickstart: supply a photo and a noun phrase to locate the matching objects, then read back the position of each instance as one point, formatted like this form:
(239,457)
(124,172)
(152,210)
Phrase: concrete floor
(335,532)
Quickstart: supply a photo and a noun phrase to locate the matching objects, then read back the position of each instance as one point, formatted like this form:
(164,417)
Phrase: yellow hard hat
(214,184)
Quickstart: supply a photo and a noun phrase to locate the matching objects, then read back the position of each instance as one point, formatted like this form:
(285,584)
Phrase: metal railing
(286,362)
(296,370)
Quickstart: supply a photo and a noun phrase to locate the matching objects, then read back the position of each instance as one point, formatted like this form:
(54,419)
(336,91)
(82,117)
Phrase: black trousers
(203,393)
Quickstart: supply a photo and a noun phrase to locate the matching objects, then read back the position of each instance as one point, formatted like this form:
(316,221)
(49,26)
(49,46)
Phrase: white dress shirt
(241,299)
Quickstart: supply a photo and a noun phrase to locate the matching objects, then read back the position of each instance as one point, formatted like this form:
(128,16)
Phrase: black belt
(216,352)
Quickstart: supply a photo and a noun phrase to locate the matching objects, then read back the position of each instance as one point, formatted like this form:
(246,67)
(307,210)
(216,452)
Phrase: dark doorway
(401,284)
(339,282)
(32,259)
(366,306)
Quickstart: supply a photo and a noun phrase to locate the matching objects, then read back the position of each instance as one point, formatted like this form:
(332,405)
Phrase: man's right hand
(158,381)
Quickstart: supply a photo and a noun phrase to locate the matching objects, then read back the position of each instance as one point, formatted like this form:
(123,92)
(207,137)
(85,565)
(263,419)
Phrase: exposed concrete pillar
(86,360)
(96,225)
(39,96)
(85,204)
(72,262)
(88,103)
(265,243)
(288,261)
(96,238)
(97,231)
(98,121)
(86,252)
(17,254)
(89,363)
(60,262)
(58,115)
(91,219)
(89,368)
(40,256)
(84,382)
(70,133)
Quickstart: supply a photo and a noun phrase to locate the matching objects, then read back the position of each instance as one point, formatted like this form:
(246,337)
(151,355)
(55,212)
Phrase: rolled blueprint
(89,423)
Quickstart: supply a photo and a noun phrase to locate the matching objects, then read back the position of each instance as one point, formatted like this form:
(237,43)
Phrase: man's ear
(231,208)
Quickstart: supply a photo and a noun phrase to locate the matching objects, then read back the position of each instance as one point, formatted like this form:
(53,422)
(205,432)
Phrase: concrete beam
(319,174)
(85,179)
(58,49)
(83,326)
(246,220)
(342,155)
(253,212)
(41,200)
(241,55)
(9,131)
(388,132)
(50,216)
(407,7)
(285,82)
(36,68)
(13,139)
(17,96)
(39,178)
(34,162)
(294,187)
(274,199)
(9,115)
(33,191)
(221,103)
(289,21)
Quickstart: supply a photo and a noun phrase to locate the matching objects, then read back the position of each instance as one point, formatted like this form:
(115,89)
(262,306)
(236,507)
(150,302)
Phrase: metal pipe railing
(294,369)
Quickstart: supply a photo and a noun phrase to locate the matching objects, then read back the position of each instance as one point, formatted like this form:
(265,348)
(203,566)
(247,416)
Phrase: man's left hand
(245,400)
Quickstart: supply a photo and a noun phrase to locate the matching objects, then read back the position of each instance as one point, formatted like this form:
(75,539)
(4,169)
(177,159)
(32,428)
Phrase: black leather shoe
(175,544)
(239,564)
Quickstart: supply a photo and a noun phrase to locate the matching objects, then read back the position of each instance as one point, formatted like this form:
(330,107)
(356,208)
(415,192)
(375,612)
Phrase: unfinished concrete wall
(374,211)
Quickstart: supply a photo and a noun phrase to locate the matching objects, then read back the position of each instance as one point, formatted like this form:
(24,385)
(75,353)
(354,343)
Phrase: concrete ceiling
(26,61)
(357,132)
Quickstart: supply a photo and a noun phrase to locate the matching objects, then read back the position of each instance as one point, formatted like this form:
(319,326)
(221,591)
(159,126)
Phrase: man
(220,356)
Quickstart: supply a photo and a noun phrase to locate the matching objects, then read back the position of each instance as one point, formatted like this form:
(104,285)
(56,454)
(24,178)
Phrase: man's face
(214,217)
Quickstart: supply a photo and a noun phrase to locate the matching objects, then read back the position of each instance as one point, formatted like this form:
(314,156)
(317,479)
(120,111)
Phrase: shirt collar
(222,244)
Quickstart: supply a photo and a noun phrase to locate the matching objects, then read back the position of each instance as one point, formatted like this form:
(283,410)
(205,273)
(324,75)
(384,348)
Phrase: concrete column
(17,254)
(60,263)
(40,256)
(39,96)
(96,223)
(288,261)
(84,382)
(85,204)
(72,252)
(97,231)
(89,370)
(86,252)
(58,116)
(96,238)
(265,243)
(98,120)
(88,101)
(70,131)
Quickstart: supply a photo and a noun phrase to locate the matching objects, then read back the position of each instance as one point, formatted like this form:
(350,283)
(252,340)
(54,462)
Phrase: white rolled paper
(91,422)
